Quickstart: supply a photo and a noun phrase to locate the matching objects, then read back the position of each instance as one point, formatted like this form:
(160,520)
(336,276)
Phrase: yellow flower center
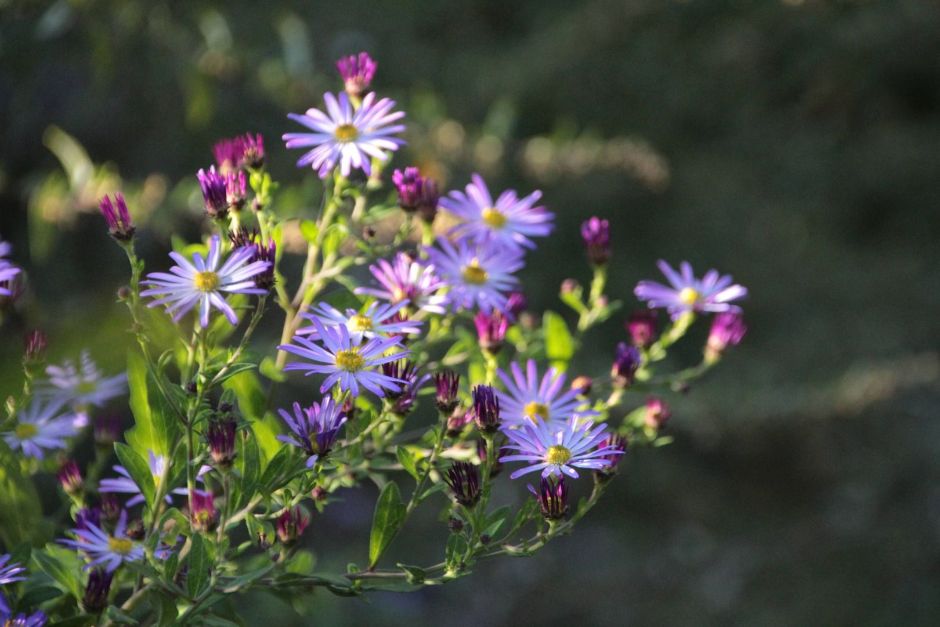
(121,546)
(346,133)
(206,281)
(361,323)
(535,411)
(25,431)
(688,296)
(493,217)
(473,273)
(350,360)
(557,454)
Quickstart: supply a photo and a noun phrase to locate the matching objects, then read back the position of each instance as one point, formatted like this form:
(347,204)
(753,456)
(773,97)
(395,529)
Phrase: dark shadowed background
(792,144)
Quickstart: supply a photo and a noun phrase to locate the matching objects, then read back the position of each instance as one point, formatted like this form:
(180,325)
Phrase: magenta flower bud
(642,327)
(107,430)
(221,438)
(120,225)
(357,71)
(485,408)
(416,193)
(70,478)
(214,192)
(491,330)
(290,525)
(203,516)
(95,599)
(570,286)
(239,152)
(626,362)
(728,329)
(657,412)
(35,351)
(464,481)
(596,235)
(236,189)
(446,382)
(616,445)
(552,496)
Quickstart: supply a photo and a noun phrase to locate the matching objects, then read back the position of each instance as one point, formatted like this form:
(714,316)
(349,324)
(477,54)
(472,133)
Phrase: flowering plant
(429,375)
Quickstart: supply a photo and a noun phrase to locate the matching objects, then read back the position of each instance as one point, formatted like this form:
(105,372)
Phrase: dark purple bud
(221,438)
(596,235)
(516,303)
(96,594)
(357,71)
(618,443)
(120,225)
(290,525)
(582,385)
(552,496)
(728,329)
(70,478)
(485,408)
(491,330)
(626,362)
(239,152)
(642,327)
(203,516)
(35,350)
(87,516)
(464,481)
(107,430)
(657,412)
(416,193)
(405,371)
(446,382)
(214,192)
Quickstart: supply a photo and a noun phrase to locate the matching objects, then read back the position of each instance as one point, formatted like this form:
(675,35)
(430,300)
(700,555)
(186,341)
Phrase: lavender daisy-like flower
(407,279)
(376,320)
(102,548)
(346,362)
(478,275)
(559,449)
(685,293)
(10,572)
(7,269)
(508,221)
(347,136)
(41,426)
(126,485)
(313,429)
(357,71)
(203,281)
(530,401)
(84,383)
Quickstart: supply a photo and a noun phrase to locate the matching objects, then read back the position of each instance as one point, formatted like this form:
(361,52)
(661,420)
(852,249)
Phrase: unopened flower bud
(516,303)
(416,193)
(570,286)
(626,362)
(485,408)
(290,525)
(552,497)
(70,478)
(642,327)
(491,330)
(596,235)
(221,438)
(120,225)
(95,599)
(657,412)
(446,382)
(617,443)
(357,72)
(214,192)
(728,329)
(464,481)
(203,515)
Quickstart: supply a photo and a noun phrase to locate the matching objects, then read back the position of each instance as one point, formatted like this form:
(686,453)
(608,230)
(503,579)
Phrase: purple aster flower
(357,71)
(7,618)
(126,485)
(106,549)
(627,360)
(407,279)
(464,481)
(557,449)
(202,282)
(552,496)
(41,426)
(477,275)
(214,192)
(346,136)
(416,192)
(528,400)
(7,270)
(120,225)
(642,327)
(346,362)
(376,320)
(83,383)
(10,572)
(713,292)
(406,372)
(446,382)
(314,429)
(238,152)
(509,221)
(290,525)
(96,594)
(728,329)
(485,410)
(596,235)
(491,330)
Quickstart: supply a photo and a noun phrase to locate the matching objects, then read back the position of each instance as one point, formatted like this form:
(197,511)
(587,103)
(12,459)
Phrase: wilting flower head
(642,327)
(107,429)
(728,329)
(376,320)
(115,213)
(344,361)
(238,152)
(203,515)
(410,280)
(626,361)
(557,449)
(552,496)
(416,192)
(214,192)
(446,382)
(464,481)
(70,477)
(10,572)
(96,594)
(713,292)
(7,270)
(657,412)
(221,438)
(290,525)
(252,239)
(507,222)
(528,400)
(357,71)
(618,444)
(203,281)
(346,136)
(84,384)
(596,235)
(478,275)
(485,408)
(406,372)
(491,330)
(41,426)
(314,429)
(35,347)
(105,549)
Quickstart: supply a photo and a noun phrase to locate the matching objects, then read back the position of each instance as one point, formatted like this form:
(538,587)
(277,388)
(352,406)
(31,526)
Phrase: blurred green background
(793,144)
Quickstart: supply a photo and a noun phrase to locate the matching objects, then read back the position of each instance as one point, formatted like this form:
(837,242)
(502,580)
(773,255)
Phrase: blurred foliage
(789,143)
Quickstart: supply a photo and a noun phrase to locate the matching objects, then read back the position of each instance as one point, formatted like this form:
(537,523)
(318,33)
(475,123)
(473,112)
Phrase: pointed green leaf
(389,515)
(197,576)
(559,345)
(20,513)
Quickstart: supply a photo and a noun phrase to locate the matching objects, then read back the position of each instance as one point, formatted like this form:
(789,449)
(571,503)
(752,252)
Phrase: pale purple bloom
(478,275)
(202,281)
(376,320)
(357,71)
(313,429)
(530,401)
(83,383)
(508,221)
(105,549)
(556,449)
(346,136)
(126,485)
(41,426)
(407,279)
(10,571)
(346,362)
(728,329)
(685,293)
(7,270)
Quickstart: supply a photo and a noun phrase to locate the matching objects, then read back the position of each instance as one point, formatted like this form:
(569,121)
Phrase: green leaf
(310,231)
(278,468)
(138,469)
(407,460)
(389,515)
(559,345)
(62,565)
(415,574)
(197,577)
(155,422)
(117,616)
(252,401)
(236,368)
(269,369)
(20,512)
(248,464)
